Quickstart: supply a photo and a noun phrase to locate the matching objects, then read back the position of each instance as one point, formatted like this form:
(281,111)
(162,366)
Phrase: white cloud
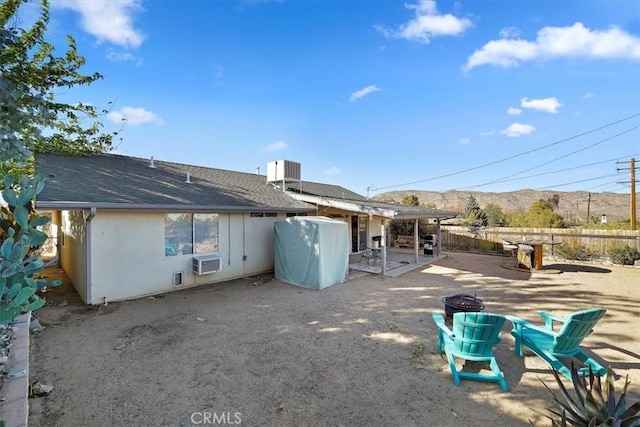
(277,146)
(509,32)
(488,133)
(589,95)
(333,170)
(107,20)
(364,92)
(464,141)
(512,111)
(550,105)
(119,56)
(134,116)
(515,130)
(576,41)
(427,24)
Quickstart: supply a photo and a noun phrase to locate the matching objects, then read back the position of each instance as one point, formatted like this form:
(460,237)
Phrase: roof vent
(151,164)
(188,181)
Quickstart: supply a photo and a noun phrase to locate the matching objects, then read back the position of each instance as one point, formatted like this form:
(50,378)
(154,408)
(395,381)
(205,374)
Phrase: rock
(39,389)
(120,347)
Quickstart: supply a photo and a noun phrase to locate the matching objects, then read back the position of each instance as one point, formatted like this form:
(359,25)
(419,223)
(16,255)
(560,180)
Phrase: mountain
(573,206)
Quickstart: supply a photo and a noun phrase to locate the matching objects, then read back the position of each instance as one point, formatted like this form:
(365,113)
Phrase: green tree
(541,215)
(31,73)
(411,200)
(473,215)
(495,216)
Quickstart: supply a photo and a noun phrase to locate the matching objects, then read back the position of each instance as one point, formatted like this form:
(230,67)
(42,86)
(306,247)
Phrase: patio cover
(312,252)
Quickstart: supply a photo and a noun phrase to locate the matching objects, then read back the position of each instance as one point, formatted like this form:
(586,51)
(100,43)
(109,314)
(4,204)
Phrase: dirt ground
(259,352)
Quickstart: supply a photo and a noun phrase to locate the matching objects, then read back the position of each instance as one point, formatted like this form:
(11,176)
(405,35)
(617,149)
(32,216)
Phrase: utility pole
(632,169)
(589,210)
(632,165)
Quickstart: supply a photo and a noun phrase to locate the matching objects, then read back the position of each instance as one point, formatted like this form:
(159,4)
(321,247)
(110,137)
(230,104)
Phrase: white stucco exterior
(127,253)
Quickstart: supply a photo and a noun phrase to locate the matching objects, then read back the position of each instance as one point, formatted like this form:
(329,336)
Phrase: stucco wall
(72,247)
(128,254)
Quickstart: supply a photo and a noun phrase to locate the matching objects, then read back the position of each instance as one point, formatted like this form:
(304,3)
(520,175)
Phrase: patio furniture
(509,254)
(404,242)
(367,255)
(472,337)
(565,343)
(525,257)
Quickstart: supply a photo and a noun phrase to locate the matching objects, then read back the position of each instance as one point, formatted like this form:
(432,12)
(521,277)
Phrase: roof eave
(57,205)
(354,206)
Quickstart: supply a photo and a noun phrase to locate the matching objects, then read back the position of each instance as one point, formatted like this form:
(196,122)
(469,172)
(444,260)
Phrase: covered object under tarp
(312,252)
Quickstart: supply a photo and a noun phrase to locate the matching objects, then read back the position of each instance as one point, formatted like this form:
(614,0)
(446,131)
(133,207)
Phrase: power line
(611,184)
(512,157)
(556,159)
(577,182)
(501,180)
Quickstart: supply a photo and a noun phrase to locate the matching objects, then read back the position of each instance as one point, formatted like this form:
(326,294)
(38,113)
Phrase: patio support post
(416,241)
(438,237)
(383,242)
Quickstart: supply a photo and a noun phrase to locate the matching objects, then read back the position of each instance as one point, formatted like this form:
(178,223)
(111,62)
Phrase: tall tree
(473,215)
(495,216)
(30,75)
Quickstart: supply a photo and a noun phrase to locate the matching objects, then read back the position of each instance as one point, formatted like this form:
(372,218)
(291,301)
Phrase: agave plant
(595,402)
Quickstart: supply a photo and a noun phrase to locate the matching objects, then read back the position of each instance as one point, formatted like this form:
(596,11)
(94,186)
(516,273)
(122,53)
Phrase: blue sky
(390,95)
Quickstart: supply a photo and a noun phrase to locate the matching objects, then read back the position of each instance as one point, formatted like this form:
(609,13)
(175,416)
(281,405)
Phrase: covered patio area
(398,261)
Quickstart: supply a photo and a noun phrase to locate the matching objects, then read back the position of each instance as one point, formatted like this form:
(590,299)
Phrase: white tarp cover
(312,252)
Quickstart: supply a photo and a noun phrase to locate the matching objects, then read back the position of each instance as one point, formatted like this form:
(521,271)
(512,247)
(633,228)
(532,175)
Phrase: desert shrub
(574,252)
(625,255)
(593,402)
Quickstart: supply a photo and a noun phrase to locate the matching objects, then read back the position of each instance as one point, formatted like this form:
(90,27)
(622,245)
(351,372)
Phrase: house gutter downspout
(92,214)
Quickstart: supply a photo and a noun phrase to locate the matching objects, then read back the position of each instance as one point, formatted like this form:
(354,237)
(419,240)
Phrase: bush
(575,253)
(625,255)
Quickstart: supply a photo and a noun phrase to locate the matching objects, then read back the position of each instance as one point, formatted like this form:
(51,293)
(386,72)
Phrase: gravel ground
(259,352)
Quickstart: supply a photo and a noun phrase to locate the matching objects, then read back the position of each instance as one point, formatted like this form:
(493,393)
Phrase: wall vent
(206,264)
(177,278)
(283,170)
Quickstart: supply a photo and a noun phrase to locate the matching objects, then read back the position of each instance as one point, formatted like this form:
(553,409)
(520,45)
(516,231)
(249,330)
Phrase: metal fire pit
(461,302)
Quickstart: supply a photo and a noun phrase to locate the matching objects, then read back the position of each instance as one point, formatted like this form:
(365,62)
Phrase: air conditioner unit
(206,264)
(283,170)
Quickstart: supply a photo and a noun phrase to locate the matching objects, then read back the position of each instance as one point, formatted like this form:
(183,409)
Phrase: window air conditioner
(206,264)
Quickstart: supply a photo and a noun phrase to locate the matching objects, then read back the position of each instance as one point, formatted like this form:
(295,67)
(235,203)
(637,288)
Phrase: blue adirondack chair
(565,343)
(472,337)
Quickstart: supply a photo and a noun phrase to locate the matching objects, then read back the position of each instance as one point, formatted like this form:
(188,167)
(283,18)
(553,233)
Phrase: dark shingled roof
(122,182)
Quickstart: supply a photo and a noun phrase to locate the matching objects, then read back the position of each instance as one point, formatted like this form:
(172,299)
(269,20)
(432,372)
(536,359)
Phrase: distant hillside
(573,205)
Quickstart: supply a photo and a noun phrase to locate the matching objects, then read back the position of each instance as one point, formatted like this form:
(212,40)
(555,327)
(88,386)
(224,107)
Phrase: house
(128,227)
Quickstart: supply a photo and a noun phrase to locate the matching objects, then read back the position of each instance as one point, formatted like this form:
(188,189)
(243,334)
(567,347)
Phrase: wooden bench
(404,242)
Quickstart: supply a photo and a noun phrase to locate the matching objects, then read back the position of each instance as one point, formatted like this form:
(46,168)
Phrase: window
(290,214)
(205,233)
(263,214)
(186,233)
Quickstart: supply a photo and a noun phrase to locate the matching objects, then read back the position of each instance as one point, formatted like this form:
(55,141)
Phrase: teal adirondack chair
(472,337)
(565,343)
